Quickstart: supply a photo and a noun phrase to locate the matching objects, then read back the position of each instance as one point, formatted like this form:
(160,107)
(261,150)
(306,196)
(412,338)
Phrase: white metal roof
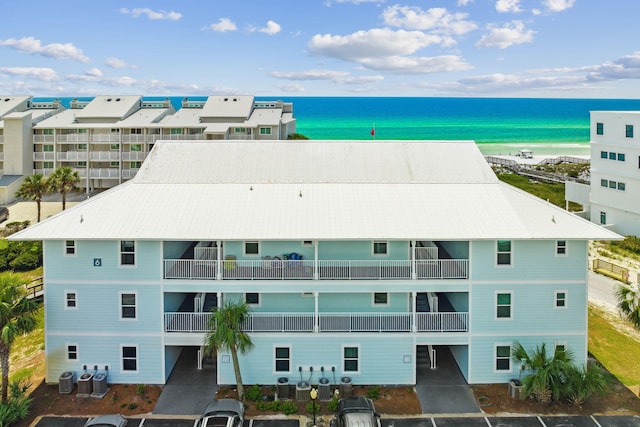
(318,190)
(264,117)
(109,106)
(184,117)
(228,106)
(8,103)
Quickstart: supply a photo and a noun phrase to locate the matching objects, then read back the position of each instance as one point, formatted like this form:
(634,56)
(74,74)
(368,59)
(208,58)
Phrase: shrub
(310,407)
(289,408)
(140,389)
(333,404)
(373,392)
(132,406)
(24,262)
(18,403)
(253,393)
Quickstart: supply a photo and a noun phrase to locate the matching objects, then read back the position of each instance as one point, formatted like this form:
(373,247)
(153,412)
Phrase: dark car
(356,411)
(222,413)
(4,213)
(110,420)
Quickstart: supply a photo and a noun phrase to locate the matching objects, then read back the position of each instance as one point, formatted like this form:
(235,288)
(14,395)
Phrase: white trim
(342,359)
(495,358)
(386,247)
(66,300)
(244,248)
(495,313)
(121,306)
(122,370)
(66,346)
(510,252)
(275,359)
(120,253)
(74,246)
(307,243)
(566,300)
(253,304)
(373,299)
(565,247)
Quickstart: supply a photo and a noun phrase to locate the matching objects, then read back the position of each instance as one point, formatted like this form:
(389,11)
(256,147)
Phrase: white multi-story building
(106,138)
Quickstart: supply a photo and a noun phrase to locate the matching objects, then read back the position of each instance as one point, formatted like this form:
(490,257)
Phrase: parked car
(4,213)
(356,411)
(222,413)
(110,420)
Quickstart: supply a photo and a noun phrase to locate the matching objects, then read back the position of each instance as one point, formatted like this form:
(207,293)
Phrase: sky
(286,48)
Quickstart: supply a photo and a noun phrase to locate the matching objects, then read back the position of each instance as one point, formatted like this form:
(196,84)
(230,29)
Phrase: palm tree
(226,334)
(629,302)
(33,187)
(64,180)
(17,316)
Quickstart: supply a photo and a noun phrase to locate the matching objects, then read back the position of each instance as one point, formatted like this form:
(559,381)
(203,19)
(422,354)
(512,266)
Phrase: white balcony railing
(133,155)
(43,138)
(275,269)
(327,322)
(73,156)
(133,138)
(104,156)
(42,155)
(105,137)
(129,173)
(74,137)
(104,173)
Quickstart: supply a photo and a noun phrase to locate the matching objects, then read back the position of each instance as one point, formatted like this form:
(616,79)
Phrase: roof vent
(235,99)
(7,99)
(117,99)
(108,99)
(226,99)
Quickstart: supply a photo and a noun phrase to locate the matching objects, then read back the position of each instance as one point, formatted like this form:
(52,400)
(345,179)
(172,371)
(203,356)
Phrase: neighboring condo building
(353,256)
(107,138)
(615,170)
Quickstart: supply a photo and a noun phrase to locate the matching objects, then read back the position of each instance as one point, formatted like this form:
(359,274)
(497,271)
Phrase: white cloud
(558,5)
(417,65)
(113,62)
(328,2)
(343,77)
(271,28)
(502,37)
(375,43)
(626,67)
(33,46)
(154,15)
(436,19)
(508,6)
(44,74)
(94,72)
(293,87)
(223,25)
(464,2)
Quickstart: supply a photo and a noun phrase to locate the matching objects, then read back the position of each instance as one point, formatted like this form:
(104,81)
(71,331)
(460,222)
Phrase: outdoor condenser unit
(66,382)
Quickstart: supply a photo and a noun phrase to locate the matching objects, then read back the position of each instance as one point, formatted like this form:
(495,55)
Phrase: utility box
(66,382)
(346,388)
(303,390)
(99,385)
(324,390)
(283,388)
(85,384)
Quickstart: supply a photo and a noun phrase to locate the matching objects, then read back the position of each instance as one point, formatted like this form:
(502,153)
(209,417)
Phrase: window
(176,131)
(560,347)
(504,252)
(621,186)
(604,183)
(503,305)
(612,156)
(380,248)
(265,131)
(135,165)
(603,218)
(603,154)
(136,131)
(47,131)
(283,359)
(612,184)
(240,130)
(130,358)
(503,358)
(252,298)
(82,147)
(114,147)
(628,131)
(599,128)
(307,243)
(47,165)
(561,247)
(82,130)
(82,164)
(70,247)
(136,147)
(252,248)
(127,252)
(380,298)
(47,148)
(127,305)
(621,157)
(350,359)
(561,299)
(71,300)
(72,352)
(115,164)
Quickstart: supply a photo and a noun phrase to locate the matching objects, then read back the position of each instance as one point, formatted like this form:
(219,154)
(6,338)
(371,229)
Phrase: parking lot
(516,421)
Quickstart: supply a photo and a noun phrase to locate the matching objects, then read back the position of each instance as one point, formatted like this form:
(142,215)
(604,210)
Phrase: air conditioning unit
(345,387)
(100,385)
(303,388)
(324,390)
(283,388)
(66,382)
(85,384)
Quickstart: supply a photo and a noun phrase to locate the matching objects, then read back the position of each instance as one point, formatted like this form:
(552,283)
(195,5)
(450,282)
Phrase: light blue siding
(171,355)
(361,250)
(382,359)
(362,303)
(270,303)
(461,355)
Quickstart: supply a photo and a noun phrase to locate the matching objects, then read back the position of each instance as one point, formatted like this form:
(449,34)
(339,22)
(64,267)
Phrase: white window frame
(122,252)
(495,358)
(562,250)
(306,243)
(251,303)
(379,242)
(265,131)
(510,293)
(122,359)
(69,352)
(379,304)
(556,300)
(275,359)
(121,305)
(67,293)
(344,359)
(559,344)
(244,248)
(71,247)
(510,252)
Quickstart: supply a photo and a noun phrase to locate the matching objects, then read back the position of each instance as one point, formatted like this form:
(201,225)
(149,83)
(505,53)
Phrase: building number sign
(97,262)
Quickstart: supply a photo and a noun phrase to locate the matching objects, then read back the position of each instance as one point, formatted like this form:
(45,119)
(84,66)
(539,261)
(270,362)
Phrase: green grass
(552,192)
(24,347)
(613,348)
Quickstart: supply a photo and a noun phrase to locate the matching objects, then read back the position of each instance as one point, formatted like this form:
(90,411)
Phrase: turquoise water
(498,125)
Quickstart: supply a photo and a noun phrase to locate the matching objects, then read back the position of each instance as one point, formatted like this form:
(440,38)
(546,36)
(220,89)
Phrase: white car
(222,413)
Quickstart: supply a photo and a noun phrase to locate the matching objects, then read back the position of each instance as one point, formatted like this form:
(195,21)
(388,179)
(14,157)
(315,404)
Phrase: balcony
(276,269)
(133,156)
(74,137)
(105,137)
(40,156)
(72,156)
(105,156)
(435,322)
(43,138)
(129,173)
(104,173)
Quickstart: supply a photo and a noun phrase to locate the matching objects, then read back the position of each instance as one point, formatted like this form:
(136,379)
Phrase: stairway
(210,301)
(422,302)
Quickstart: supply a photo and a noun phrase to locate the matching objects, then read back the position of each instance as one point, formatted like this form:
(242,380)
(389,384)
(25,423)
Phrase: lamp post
(314,395)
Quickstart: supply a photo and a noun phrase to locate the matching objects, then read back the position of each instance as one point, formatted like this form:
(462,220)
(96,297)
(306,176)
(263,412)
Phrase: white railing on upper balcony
(74,137)
(327,322)
(276,269)
(105,137)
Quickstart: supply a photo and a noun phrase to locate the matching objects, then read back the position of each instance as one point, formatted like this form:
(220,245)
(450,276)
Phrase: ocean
(547,126)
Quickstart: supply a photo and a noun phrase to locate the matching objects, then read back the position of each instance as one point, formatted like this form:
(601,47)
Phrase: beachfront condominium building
(107,138)
(613,197)
(354,257)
